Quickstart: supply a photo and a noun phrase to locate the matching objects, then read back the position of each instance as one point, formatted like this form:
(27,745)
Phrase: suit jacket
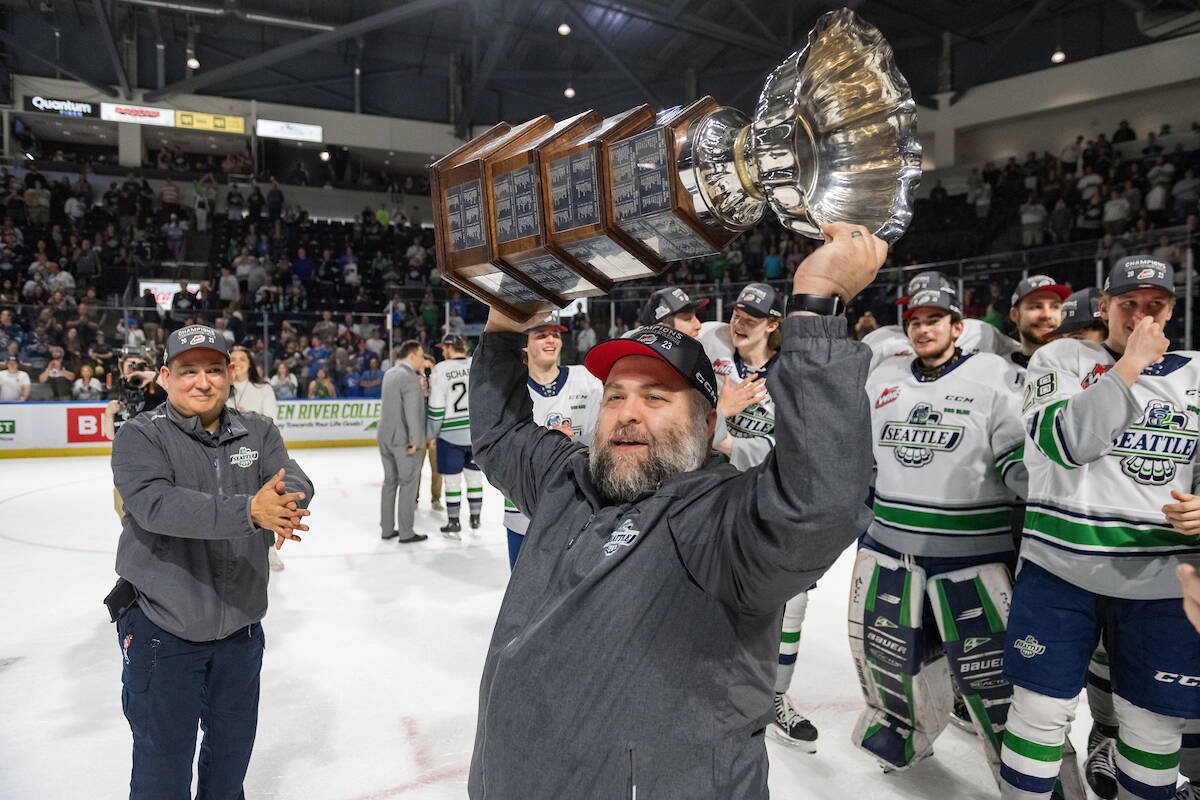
(402,415)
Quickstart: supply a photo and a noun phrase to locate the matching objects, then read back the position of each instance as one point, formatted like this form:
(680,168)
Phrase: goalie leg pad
(908,699)
(971,608)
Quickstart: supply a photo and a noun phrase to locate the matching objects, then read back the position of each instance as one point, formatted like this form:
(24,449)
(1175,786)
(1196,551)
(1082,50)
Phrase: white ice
(374,652)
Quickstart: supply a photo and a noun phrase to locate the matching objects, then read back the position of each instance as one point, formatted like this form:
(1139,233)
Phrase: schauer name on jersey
(449,389)
(1105,460)
(948,457)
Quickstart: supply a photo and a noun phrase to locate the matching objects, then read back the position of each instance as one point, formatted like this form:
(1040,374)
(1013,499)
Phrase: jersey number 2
(459,406)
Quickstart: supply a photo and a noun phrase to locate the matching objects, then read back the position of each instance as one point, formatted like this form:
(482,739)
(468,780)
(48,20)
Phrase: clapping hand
(275,508)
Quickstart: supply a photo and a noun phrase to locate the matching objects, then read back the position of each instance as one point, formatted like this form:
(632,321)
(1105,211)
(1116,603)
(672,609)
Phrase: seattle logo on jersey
(920,436)
(623,536)
(1153,446)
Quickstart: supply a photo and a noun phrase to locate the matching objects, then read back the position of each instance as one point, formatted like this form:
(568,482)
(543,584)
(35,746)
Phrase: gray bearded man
(635,650)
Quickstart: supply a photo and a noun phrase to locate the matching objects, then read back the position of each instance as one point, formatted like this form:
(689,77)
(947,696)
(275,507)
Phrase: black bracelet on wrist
(828,306)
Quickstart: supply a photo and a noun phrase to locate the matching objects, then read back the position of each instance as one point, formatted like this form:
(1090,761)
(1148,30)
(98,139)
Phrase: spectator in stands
(268,295)
(1110,249)
(325,282)
(295,301)
(14,384)
(456,325)
(1184,195)
(1156,203)
(321,388)
(1090,219)
(235,203)
(326,330)
(87,388)
(585,338)
(1123,133)
(371,379)
(865,324)
(300,176)
(1033,221)
(274,201)
(1069,157)
(1165,251)
(175,229)
(983,201)
(302,266)
(228,289)
(1152,151)
(168,197)
(1088,185)
(57,376)
(255,204)
(283,382)
(1116,213)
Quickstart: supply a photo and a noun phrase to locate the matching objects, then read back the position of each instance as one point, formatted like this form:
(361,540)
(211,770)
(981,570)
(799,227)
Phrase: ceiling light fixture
(193,63)
(564,29)
(1058,57)
(324,155)
(569,92)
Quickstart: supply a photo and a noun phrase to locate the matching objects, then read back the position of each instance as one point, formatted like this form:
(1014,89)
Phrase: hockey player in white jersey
(674,308)
(1036,311)
(449,423)
(566,398)
(936,561)
(742,353)
(890,341)
(1113,429)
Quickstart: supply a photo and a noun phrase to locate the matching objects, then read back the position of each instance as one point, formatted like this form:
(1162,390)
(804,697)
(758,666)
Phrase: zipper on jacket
(586,525)
(632,772)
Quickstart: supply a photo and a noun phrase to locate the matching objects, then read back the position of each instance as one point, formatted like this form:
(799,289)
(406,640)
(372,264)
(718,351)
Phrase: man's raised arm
(782,524)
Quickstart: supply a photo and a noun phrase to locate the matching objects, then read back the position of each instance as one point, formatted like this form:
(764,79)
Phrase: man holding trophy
(638,638)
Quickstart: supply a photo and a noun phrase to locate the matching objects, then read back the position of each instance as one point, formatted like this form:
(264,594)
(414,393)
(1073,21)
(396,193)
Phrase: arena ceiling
(511,63)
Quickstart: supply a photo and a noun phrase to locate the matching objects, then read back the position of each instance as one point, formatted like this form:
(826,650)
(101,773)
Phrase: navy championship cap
(1039,283)
(193,337)
(552,321)
(1079,311)
(683,353)
(760,300)
(1140,272)
(941,299)
(668,302)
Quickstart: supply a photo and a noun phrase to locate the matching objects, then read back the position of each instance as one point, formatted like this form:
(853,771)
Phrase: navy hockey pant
(171,685)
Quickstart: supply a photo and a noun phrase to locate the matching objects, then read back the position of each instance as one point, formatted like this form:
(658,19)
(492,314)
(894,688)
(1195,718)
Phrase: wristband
(828,306)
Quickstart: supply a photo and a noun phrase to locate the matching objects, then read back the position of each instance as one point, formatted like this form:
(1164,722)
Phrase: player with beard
(565,399)
(934,570)
(636,644)
(1036,312)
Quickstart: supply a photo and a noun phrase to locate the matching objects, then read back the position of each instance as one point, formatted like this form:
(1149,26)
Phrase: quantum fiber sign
(139,115)
(57,105)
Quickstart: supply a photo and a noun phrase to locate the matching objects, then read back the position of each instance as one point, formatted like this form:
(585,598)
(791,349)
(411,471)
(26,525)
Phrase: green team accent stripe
(1046,440)
(509,504)
(976,703)
(1100,657)
(1149,760)
(1012,457)
(989,609)
(789,637)
(453,494)
(1118,537)
(1038,752)
(474,491)
(436,412)
(949,629)
(870,604)
(976,522)
(871,731)
(906,599)
(450,424)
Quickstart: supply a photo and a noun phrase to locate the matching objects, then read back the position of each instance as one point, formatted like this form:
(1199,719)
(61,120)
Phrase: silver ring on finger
(855,234)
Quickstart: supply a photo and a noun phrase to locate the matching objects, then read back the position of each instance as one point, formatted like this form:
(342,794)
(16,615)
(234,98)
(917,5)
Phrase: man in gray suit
(401,443)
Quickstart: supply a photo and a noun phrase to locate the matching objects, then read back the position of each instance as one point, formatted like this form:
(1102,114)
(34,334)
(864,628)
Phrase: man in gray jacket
(636,646)
(402,443)
(207,490)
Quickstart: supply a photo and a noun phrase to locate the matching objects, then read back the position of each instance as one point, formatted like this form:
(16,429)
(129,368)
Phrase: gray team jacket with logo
(187,542)
(636,647)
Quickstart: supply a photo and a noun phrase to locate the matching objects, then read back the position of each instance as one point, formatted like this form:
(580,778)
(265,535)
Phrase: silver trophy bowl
(833,139)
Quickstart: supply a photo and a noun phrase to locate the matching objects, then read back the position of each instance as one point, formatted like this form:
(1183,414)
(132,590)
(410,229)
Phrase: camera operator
(136,390)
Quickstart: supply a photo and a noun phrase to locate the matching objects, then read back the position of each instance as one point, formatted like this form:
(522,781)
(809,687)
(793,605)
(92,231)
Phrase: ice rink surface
(374,652)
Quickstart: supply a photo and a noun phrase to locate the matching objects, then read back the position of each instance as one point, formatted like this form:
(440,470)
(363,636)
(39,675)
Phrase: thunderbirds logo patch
(623,536)
(244,457)
(915,440)
(1152,447)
